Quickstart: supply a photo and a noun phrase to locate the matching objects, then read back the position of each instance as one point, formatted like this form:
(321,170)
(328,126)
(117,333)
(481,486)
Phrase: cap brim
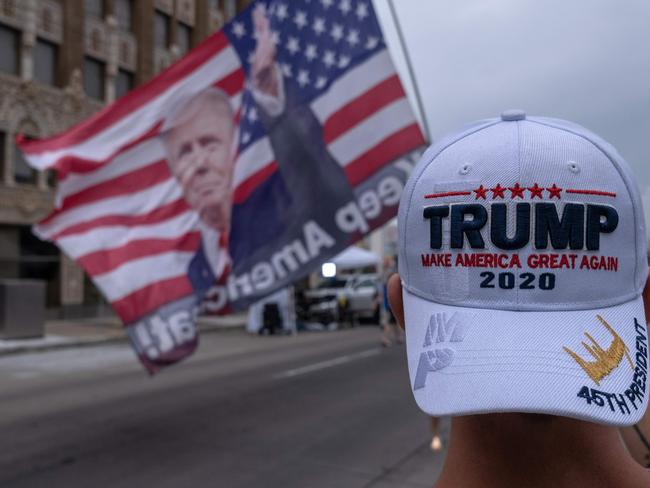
(586,364)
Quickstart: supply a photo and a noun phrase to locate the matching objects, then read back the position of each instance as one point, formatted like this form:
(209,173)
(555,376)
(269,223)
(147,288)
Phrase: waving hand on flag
(267,149)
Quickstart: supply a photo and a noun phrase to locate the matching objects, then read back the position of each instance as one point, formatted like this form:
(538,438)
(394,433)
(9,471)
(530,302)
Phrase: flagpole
(409,65)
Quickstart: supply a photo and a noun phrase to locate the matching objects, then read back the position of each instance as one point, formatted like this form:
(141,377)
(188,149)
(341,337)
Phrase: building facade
(61,61)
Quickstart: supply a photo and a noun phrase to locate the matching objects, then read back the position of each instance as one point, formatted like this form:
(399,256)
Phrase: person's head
(523,259)
(198,138)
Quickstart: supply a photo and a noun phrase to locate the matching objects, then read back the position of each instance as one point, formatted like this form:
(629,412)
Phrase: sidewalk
(99,331)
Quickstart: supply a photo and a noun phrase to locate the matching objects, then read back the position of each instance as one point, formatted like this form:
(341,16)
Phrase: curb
(100,341)
(103,341)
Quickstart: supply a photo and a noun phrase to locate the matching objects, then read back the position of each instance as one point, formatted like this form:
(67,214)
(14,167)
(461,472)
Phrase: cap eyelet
(466,168)
(573,167)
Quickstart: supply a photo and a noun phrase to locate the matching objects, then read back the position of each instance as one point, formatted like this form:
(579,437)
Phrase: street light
(328,270)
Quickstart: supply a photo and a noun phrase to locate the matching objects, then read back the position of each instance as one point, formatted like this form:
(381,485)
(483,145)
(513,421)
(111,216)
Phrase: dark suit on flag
(309,185)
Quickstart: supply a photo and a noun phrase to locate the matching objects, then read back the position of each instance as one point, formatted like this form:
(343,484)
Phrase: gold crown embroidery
(606,360)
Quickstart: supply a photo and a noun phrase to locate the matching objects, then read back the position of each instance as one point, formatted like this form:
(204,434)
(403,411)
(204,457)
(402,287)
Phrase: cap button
(513,115)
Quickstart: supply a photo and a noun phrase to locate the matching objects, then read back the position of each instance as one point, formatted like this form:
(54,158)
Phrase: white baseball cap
(523,258)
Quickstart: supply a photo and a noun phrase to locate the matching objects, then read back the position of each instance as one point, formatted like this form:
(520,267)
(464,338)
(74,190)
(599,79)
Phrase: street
(328,409)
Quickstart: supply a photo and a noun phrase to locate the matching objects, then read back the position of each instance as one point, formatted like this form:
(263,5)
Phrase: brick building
(60,61)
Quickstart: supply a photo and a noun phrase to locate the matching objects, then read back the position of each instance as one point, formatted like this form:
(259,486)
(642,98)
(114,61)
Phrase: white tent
(355,257)
(284,300)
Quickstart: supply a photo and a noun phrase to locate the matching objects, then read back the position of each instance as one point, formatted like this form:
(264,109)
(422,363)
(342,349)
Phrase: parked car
(354,295)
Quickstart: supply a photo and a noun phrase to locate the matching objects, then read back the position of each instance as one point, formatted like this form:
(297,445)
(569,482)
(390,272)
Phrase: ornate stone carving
(127,51)
(24,204)
(10,13)
(41,111)
(95,38)
(185,11)
(75,86)
(50,21)
(29,13)
(166,6)
(216,20)
(9,8)
(52,109)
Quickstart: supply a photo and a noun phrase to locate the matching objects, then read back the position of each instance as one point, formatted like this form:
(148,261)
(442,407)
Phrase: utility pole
(409,65)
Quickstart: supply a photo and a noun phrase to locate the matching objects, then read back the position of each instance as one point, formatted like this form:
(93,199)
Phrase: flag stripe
(133,100)
(355,142)
(362,107)
(108,237)
(103,261)
(68,165)
(134,158)
(142,202)
(162,213)
(246,187)
(386,151)
(126,184)
(139,273)
(147,299)
(232,84)
(353,84)
(253,159)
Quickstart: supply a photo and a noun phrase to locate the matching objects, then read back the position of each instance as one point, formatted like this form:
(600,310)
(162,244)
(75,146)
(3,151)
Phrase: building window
(123,82)
(124,14)
(183,37)
(161,30)
(39,260)
(94,78)
(23,172)
(9,40)
(45,62)
(50,178)
(94,8)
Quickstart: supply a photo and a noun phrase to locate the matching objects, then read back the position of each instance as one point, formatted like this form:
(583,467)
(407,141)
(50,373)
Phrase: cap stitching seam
(426,165)
(518,177)
(620,173)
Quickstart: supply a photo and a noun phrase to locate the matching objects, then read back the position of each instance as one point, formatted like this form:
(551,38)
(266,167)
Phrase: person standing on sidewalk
(389,325)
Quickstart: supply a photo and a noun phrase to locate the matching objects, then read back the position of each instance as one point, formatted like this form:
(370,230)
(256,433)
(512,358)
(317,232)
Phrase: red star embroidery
(497,191)
(535,191)
(517,191)
(481,192)
(554,191)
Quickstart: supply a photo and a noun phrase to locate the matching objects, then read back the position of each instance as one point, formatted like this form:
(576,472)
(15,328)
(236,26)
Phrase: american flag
(121,214)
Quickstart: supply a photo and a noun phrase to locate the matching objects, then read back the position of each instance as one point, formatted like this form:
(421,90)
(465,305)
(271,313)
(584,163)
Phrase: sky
(587,61)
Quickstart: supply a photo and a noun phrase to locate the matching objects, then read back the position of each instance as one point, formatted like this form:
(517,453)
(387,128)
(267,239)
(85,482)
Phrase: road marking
(327,364)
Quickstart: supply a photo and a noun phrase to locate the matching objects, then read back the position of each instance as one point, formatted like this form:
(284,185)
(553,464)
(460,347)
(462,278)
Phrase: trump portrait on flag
(309,185)
(200,145)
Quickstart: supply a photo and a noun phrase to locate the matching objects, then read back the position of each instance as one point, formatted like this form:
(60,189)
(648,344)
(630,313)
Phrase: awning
(355,257)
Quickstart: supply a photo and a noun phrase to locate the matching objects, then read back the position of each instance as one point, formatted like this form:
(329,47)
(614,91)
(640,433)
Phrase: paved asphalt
(328,409)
